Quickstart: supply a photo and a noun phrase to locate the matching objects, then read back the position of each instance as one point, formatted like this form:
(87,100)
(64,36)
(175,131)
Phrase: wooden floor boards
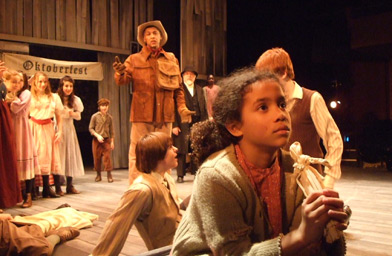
(367,191)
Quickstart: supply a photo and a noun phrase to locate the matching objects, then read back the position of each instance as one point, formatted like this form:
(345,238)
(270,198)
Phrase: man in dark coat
(194,101)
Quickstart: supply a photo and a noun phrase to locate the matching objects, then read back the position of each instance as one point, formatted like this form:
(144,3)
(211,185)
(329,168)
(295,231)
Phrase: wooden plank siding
(37,17)
(27,18)
(70,20)
(203,36)
(60,21)
(120,112)
(51,19)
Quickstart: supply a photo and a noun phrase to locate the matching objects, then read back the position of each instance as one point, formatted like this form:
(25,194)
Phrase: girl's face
(170,161)
(13,84)
(21,82)
(104,109)
(41,84)
(265,123)
(67,88)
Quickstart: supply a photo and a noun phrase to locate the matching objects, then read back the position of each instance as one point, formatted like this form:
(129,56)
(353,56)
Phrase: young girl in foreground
(244,201)
(46,105)
(71,158)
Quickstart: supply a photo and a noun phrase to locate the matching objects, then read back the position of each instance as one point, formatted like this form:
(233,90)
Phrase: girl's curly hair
(208,137)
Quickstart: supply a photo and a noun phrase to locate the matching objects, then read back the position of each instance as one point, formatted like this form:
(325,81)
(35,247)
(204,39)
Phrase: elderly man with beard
(195,101)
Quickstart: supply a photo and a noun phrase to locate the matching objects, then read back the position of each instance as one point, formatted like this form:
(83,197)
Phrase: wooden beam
(90,47)
(14,47)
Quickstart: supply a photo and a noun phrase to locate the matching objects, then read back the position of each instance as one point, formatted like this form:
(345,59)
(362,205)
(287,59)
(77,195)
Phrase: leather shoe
(72,190)
(65,233)
(98,178)
(28,201)
(110,178)
(180,179)
(59,192)
(49,193)
(63,206)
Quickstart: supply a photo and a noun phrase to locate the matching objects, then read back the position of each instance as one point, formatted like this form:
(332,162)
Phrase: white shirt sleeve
(78,108)
(329,133)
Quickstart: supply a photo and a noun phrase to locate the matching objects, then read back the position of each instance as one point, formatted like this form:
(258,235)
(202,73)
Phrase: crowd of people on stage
(38,138)
(232,136)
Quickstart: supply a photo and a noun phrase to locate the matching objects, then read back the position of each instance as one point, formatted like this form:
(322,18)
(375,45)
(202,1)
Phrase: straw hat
(154,23)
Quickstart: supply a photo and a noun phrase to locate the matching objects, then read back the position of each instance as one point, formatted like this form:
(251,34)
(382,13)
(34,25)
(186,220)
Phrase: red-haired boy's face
(103,109)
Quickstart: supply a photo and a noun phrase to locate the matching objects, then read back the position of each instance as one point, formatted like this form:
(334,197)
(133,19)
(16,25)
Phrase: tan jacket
(151,206)
(157,230)
(150,103)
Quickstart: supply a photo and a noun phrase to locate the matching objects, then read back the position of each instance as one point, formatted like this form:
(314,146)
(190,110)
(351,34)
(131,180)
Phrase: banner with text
(54,68)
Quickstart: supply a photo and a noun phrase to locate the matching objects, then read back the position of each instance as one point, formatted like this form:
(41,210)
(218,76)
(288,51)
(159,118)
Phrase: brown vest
(157,230)
(302,127)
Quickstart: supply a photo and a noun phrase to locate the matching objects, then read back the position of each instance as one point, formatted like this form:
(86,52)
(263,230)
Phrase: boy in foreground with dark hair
(151,202)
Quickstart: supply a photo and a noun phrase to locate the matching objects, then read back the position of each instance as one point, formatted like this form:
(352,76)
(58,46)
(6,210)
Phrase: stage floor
(367,191)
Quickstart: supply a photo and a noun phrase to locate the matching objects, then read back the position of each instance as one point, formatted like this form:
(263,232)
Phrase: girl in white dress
(46,105)
(71,158)
(26,153)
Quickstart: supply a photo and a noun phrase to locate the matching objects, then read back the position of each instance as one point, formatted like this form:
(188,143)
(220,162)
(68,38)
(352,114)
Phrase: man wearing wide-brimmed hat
(195,101)
(156,83)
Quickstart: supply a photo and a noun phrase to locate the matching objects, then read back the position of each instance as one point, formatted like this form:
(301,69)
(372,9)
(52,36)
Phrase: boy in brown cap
(101,128)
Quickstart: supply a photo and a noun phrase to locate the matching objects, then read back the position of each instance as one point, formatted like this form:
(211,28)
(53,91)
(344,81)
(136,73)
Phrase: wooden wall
(109,23)
(203,36)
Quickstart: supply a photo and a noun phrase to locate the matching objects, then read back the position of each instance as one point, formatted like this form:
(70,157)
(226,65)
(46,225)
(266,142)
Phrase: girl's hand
(336,211)
(112,145)
(57,137)
(2,68)
(315,214)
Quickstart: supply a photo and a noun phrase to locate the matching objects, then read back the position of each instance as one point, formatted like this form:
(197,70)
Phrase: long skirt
(10,193)
(47,150)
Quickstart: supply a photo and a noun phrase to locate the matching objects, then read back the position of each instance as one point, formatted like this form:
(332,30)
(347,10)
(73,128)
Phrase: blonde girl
(45,106)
